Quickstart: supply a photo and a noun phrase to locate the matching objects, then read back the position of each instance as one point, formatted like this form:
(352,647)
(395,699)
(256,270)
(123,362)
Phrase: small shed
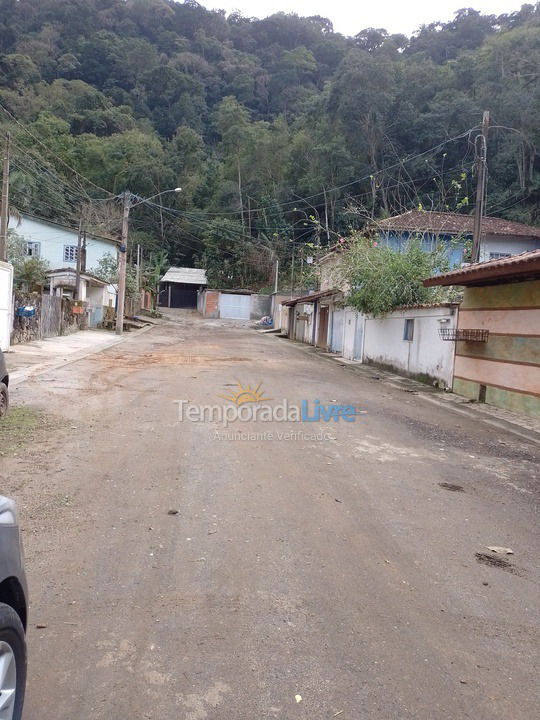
(179,287)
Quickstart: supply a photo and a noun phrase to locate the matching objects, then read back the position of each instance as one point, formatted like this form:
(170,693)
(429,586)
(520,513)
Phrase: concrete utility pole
(4,213)
(481,167)
(277,276)
(122,258)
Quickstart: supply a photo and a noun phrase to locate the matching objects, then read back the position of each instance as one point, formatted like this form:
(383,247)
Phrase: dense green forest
(280,131)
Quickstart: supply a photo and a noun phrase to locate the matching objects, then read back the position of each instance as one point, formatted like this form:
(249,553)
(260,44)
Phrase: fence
(51,316)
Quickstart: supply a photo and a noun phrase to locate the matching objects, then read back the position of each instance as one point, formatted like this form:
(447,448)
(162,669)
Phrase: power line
(51,152)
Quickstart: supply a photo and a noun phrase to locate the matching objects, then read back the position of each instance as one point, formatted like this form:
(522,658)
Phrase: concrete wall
(260,305)
(506,367)
(329,270)
(53,238)
(6,304)
(426,357)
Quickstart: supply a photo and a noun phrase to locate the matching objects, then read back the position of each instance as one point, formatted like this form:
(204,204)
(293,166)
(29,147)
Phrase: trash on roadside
(500,550)
(298,698)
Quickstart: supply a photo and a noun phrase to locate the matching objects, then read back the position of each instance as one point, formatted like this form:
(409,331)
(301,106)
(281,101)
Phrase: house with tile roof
(500,237)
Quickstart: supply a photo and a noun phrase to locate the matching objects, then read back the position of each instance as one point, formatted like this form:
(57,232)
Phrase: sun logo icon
(246,394)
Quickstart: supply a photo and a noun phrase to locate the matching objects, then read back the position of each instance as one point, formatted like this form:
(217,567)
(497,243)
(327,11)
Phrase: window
(498,255)
(33,249)
(70,253)
(408,330)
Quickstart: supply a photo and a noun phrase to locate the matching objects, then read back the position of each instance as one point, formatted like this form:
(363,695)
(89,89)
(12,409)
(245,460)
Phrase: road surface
(181,571)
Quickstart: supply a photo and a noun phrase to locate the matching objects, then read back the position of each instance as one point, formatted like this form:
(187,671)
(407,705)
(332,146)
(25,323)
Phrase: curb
(20,376)
(449,401)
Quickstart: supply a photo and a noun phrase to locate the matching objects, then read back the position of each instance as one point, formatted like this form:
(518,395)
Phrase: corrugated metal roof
(524,265)
(455,224)
(190,276)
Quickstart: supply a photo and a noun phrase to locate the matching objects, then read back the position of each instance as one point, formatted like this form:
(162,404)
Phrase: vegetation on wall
(380,279)
(277,130)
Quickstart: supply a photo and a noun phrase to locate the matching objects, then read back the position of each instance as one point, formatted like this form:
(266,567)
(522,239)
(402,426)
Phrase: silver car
(13,614)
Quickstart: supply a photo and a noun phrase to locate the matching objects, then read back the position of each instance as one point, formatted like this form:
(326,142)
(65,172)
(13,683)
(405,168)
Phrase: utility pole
(4,213)
(481,167)
(79,260)
(122,266)
(292,271)
(138,268)
(83,256)
(276,278)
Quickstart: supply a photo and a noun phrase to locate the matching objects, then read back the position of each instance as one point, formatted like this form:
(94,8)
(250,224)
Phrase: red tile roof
(455,224)
(516,267)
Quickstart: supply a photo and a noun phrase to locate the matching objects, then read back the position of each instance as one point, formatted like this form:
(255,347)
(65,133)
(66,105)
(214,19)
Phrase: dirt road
(183,574)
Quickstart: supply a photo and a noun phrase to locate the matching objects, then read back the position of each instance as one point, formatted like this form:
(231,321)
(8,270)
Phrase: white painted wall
(53,238)
(510,245)
(426,353)
(6,304)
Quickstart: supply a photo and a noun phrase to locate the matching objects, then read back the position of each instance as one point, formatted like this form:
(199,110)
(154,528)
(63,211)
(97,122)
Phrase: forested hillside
(279,131)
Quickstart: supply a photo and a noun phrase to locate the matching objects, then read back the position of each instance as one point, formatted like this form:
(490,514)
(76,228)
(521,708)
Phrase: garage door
(234,306)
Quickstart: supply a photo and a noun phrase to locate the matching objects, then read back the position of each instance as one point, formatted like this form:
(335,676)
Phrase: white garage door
(234,306)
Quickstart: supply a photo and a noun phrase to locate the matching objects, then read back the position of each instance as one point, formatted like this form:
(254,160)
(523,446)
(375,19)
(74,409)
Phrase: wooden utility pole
(4,212)
(481,167)
(138,268)
(122,267)
(83,256)
(79,260)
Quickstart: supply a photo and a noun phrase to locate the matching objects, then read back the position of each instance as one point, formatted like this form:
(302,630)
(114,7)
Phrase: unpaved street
(299,578)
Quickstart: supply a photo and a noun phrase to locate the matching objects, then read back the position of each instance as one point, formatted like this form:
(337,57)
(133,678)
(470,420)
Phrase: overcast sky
(351,16)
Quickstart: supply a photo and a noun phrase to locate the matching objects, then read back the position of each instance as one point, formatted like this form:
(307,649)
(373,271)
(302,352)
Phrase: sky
(351,16)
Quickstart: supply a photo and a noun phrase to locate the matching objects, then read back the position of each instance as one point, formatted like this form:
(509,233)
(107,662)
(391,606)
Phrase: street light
(128,204)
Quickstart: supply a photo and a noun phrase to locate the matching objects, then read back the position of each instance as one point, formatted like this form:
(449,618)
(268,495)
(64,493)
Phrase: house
(179,287)
(500,237)
(93,292)
(308,317)
(497,337)
(58,244)
(234,304)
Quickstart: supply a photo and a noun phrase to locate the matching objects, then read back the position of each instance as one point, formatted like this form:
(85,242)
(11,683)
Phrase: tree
(28,272)
(381,279)
(107,270)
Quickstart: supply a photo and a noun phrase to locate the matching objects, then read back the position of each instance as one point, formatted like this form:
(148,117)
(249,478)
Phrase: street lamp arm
(153,197)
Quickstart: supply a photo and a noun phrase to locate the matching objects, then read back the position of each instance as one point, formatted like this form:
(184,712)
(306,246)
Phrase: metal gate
(51,316)
(235,307)
(337,331)
(353,335)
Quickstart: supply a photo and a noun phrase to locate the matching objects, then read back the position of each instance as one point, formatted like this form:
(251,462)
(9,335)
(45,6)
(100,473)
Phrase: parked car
(4,386)
(13,614)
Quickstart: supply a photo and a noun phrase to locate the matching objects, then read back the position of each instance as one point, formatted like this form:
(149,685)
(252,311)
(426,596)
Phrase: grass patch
(22,426)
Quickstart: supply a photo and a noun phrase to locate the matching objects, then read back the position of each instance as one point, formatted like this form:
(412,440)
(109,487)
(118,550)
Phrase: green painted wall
(520,294)
(506,399)
(503,347)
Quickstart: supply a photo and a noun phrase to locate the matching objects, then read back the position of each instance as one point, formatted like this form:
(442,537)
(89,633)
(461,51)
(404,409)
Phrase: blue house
(58,244)
(500,238)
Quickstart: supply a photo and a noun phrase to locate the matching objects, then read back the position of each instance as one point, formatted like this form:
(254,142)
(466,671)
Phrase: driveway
(185,571)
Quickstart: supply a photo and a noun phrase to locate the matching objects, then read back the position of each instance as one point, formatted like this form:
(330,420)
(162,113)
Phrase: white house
(58,244)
